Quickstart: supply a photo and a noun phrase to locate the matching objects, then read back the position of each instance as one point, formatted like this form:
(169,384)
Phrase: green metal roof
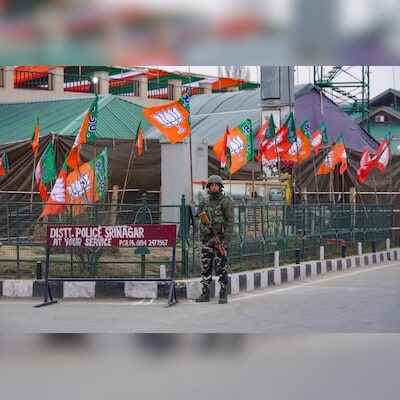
(117,118)
(182,77)
(380,131)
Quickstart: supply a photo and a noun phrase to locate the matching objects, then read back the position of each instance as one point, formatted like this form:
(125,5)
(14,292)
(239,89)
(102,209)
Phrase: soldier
(220,211)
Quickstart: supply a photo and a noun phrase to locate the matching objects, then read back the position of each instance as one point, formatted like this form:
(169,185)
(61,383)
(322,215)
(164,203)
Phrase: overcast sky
(381,77)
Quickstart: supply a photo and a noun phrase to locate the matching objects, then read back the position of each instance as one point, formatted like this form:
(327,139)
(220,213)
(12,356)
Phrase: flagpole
(191,169)
(358,187)
(33,178)
(343,188)
(127,172)
(331,188)
(373,172)
(315,177)
(7,209)
(376,193)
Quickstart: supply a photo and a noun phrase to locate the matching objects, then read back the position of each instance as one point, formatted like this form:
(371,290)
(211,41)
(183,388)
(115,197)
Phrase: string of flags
(237,146)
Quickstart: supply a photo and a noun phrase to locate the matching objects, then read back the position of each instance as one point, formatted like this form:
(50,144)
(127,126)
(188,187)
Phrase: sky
(381,77)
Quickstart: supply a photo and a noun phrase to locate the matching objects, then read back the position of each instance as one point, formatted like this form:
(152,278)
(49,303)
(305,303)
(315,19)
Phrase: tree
(234,71)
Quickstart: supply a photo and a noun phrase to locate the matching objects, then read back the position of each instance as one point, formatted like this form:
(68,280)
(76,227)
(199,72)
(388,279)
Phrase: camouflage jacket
(220,211)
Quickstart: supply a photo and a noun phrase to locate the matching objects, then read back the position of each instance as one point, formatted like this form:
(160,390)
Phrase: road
(359,300)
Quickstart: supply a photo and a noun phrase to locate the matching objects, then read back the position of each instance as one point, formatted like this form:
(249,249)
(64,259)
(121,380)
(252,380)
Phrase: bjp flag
(88,183)
(241,145)
(300,149)
(336,155)
(172,119)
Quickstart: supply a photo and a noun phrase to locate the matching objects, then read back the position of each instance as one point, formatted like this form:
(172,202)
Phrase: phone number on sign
(143,242)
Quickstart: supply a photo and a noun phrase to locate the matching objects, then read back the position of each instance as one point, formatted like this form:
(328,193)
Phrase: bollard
(359,248)
(343,251)
(321,253)
(38,270)
(373,246)
(163,271)
(276,258)
(387,244)
(298,256)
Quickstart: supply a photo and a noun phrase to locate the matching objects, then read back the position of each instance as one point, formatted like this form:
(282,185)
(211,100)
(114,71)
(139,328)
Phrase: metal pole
(298,256)
(38,270)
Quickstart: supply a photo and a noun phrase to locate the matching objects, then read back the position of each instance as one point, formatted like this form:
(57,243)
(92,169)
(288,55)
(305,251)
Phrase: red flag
(2,169)
(56,203)
(382,155)
(380,160)
(274,148)
(277,146)
(87,133)
(4,163)
(336,155)
(364,167)
(172,119)
(35,139)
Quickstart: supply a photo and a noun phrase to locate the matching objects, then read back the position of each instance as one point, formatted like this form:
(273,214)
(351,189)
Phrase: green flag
(100,168)
(48,164)
(6,164)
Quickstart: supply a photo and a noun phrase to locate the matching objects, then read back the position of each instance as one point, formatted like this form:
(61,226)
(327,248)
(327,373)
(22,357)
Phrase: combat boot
(223,296)
(205,295)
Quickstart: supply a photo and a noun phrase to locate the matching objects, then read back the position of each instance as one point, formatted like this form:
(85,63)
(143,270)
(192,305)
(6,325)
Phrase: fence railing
(33,80)
(259,231)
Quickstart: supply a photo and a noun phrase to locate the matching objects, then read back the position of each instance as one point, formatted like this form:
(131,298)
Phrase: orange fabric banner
(172,119)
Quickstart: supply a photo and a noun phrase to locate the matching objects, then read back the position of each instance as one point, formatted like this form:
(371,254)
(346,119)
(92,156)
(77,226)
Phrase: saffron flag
(222,151)
(138,139)
(56,202)
(364,167)
(336,155)
(88,183)
(274,148)
(87,133)
(319,138)
(300,149)
(267,130)
(172,119)
(240,146)
(35,139)
(4,164)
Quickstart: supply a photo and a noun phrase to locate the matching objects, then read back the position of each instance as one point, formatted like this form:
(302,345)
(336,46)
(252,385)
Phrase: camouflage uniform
(220,211)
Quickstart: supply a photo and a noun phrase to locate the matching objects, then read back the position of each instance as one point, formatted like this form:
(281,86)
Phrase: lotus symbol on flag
(329,159)
(316,140)
(58,193)
(170,117)
(79,187)
(236,145)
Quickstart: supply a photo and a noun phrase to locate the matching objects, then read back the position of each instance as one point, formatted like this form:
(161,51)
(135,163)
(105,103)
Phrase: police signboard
(111,236)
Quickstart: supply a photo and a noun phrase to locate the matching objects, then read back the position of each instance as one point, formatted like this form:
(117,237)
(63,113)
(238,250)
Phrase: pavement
(144,289)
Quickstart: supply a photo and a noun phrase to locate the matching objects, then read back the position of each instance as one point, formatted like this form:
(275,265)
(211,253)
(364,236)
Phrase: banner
(88,183)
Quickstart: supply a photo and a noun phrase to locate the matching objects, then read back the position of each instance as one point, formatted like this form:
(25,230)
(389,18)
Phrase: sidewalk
(191,288)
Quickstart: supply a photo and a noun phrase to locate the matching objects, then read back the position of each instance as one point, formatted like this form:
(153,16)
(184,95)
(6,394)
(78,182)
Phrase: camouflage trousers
(208,254)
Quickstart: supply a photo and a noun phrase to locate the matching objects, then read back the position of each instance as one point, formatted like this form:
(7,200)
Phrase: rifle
(218,245)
